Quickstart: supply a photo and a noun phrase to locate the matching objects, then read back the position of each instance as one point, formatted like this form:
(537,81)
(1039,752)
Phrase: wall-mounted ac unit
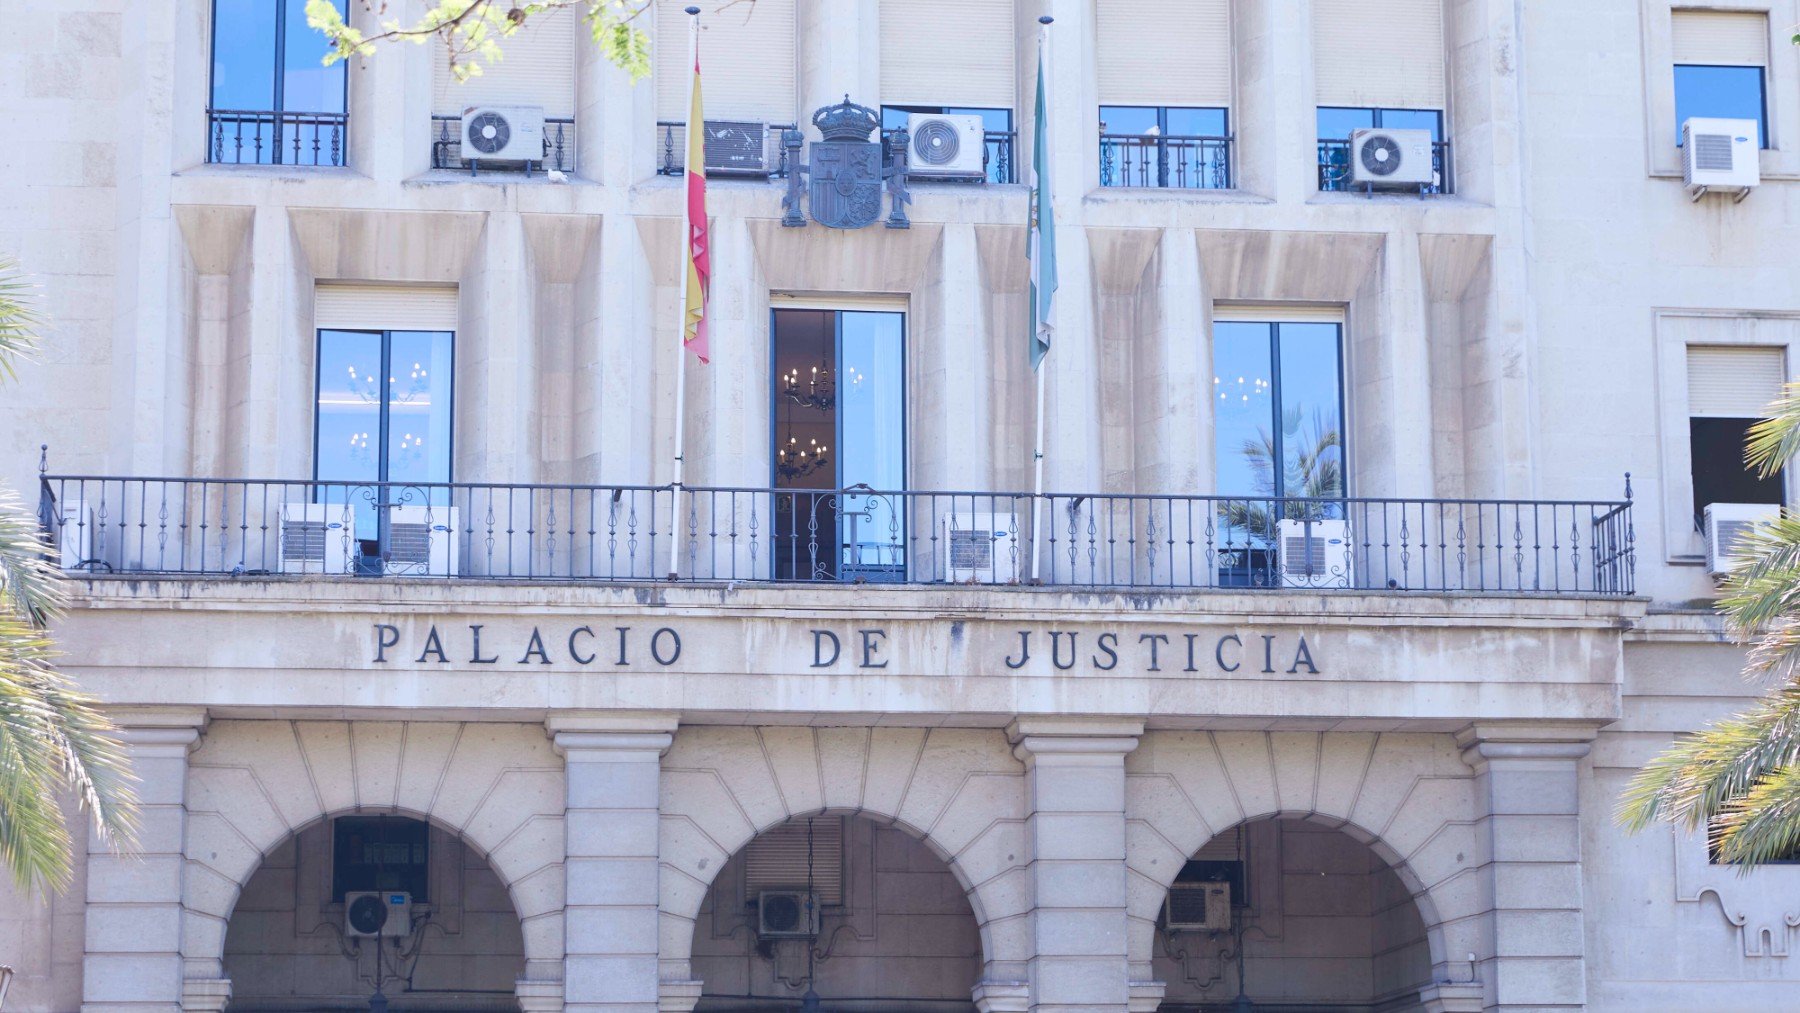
(1198,907)
(317,537)
(371,913)
(1725,523)
(74,533)
(503,134)
(1391,158)
(422,541)
(787,914)
(736,148)
(946,147)
(1313,553)
(981,548)
(1719,155)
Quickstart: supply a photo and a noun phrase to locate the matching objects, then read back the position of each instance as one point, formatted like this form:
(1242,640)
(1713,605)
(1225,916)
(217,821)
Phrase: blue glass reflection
(1733,93)
(266,58)
(1278,409)
(308,86)
(1336,123)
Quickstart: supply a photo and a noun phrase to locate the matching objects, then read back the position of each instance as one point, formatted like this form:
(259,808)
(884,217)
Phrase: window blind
(948,53)
(365,307)
(1729,38)
(1733,381)
(747,60)
(536,68)
(1164,52)
(776,859)
(1379,53)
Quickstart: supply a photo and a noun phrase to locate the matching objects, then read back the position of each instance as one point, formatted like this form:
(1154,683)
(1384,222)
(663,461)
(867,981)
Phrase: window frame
(338,871)
(1762,97)
(837,423)
(279,58)
(1162,127)
(1273,317)
(387,345)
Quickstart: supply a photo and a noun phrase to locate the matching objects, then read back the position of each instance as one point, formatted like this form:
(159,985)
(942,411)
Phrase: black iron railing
(263,137)
(447,153)
(997,162)
(237,527)
(1334,169)
(1177,162)
(742,149)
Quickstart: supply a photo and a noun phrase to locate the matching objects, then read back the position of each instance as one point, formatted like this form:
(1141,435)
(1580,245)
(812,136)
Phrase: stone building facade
(1392,766)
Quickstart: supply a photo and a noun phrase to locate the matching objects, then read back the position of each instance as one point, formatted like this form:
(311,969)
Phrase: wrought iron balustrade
(772,162)
(1334,168)
(447,153)
(997,161)
(477,531)
(1172,161)
(264,137)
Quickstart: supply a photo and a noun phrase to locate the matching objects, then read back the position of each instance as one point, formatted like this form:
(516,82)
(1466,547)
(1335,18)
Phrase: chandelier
(813,390)
(795,461)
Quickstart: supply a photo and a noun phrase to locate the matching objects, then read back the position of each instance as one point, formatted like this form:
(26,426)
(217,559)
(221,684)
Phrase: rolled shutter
(1733,381)
(1727,38)
(747,60)
(1164,52)
(776,859)
(361,307)
(536,68)
(1379,53)
(948,53)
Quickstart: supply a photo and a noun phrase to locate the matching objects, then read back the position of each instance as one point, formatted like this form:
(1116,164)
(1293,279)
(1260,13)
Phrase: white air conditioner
(1726,523)
(1198,907)
(736,148)
(946,147)
(422,541)
(316,537)
(1313,553)
(1719,155)
(787,914)
(503,134)
(981,548)
(371,913)
(1391,158)
(74,532)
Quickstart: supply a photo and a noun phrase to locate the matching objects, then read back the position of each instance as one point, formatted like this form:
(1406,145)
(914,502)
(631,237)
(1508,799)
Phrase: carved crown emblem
(846,121)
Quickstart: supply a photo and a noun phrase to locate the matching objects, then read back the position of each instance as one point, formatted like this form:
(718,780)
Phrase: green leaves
(474,31)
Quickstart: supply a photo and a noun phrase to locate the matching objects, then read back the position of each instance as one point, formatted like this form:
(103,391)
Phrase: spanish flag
(698,263)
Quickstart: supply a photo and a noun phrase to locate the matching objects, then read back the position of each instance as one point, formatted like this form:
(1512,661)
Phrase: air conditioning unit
(946,147)
(787,914)
(736,148)
(1725,523)
(316,537)
(981,548)
(1719,154)
(1198,907)
(1313,553)
(503,134)
(1391,158)
(74,533)
(421,541)
(371,913)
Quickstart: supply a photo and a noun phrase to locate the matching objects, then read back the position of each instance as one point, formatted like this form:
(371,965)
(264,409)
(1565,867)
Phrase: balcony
(1169,162)
(447,153)
(745,160)
(262,137)
(255,529)
(1334,168)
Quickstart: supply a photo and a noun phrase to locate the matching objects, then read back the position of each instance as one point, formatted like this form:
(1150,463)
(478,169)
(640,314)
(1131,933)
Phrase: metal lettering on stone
(846,172)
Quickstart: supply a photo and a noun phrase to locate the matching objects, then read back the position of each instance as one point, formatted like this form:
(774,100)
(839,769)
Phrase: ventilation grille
(1304,555)
(1712,152)
(409,543)
(777,860)
(936,143)
(1188,905)
(303,540)
(971,550)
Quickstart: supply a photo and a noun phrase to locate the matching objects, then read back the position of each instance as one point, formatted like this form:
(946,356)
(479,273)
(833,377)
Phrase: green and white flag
(1040,245)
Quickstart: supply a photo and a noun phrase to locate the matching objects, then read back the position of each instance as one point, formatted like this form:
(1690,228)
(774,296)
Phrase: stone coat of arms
(846,171)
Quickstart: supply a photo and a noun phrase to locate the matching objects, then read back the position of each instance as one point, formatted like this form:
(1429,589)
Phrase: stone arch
(253,784)
(960,791)
(1408,797)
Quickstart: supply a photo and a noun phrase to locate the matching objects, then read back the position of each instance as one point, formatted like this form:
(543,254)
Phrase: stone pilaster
(1528,837)
(133,922)
(1075,775)
(613,764)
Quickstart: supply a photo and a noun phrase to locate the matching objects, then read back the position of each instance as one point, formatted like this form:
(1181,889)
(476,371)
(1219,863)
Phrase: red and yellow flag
(698,262)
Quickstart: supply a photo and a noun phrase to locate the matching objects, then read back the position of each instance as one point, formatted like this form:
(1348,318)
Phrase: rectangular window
(948,52)
(997,123)
(1160,146)
(1338,123)
(1729,390)
(272,99)
(380,853)
(1720,61)
(1379,53)
(839,412)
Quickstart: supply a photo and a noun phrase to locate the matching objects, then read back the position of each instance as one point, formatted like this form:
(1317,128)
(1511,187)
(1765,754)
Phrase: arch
(1408,797)
(253,784)
(960,791)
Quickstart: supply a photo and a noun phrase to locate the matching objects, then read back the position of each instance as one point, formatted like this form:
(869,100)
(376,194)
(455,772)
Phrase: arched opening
(1296,916)
(365,901)
(860,912)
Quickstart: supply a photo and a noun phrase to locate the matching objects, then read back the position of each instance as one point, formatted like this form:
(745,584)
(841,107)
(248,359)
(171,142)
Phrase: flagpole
(1037,451)
(683,249)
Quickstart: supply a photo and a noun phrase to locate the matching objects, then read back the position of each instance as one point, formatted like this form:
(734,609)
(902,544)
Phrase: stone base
(208,995)
(1451,997)
(678,996)
(1146,996)
(1001,996)
(539,996)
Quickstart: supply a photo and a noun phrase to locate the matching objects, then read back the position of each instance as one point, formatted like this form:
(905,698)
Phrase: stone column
(133,923)
(1075,773)
(613,763)
(1528,840)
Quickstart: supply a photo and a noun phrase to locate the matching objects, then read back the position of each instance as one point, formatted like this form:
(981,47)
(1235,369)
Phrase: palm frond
(1693,780)
(1763,824)
(19,322)
(1775,440)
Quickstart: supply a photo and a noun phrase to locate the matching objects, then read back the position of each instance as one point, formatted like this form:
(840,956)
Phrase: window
(1719,61)
(1729,389)
(996,122)
(970,69)
(536,68)
(1165,147)
(273,101)
(839,412)
(1337,123)
(380,853)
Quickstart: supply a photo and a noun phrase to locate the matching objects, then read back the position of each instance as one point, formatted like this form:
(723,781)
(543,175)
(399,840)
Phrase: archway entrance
(862,913)
(362,901)
(1302,917)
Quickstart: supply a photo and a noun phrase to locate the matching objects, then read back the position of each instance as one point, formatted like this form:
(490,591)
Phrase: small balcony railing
(262,137)
(1334,169)
(447,153)
(742,159)
(997,161)
(1174,161)
(474,531)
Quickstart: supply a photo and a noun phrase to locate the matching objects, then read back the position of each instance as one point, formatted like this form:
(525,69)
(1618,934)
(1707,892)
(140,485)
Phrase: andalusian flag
(1041,238)
(698,262)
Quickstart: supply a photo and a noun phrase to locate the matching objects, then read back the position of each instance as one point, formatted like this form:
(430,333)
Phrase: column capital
(1525,740)
(612,731)
(172,729)
(1034,737)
